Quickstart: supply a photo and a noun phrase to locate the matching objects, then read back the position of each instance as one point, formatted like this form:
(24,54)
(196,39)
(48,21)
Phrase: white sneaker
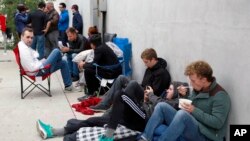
(79,87)
(68,89)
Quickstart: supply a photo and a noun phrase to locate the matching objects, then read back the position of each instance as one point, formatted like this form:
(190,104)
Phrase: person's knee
(133,84)
(182,114)
(70,121)
(123,80)
(161,105)
(56,51)
(120,78)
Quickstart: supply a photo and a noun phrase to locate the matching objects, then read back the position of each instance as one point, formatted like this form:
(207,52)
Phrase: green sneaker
(104,138)
(45,130)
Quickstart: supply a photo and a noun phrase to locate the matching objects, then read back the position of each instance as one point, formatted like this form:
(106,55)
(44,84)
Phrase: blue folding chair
(105,82)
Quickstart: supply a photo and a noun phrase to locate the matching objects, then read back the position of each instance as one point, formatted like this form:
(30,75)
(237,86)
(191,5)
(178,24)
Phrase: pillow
(118,52)
(86,55)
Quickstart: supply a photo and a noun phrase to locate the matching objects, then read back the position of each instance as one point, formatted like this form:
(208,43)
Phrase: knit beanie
(95,39)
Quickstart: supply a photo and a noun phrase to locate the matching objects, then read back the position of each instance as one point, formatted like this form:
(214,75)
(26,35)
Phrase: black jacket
(105,56)
(77,22)
(81,43)
(157,77)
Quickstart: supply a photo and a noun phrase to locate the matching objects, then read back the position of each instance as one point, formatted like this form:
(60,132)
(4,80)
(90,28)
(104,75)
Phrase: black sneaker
(75,79)
(86,96)
(83,98)
(99,108)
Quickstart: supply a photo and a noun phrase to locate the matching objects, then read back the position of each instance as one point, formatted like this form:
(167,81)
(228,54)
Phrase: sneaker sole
(40,130)
(98,110)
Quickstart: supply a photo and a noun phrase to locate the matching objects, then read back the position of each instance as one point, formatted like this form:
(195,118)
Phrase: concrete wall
(182,31)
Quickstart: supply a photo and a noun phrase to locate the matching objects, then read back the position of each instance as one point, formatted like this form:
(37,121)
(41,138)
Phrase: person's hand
(182,90)
(187,107)
(43,60)
(147,91)
(81,65)
(45,31)
(65,49)
(146,96)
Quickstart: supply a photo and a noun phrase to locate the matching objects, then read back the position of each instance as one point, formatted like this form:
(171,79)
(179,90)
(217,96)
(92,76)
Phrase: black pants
(92,82)
(126,108)
(73,125)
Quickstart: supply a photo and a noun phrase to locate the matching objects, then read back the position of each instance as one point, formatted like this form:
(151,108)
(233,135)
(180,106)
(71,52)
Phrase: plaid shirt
(92,133)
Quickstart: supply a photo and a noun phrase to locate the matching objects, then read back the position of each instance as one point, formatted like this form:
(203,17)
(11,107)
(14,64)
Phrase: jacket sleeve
(155,99)
(78,50)
(23,19)
(79,21)
(54,19)
(219,113)
(63,18)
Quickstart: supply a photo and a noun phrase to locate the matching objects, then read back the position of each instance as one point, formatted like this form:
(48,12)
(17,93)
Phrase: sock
(109,132)
(58,131)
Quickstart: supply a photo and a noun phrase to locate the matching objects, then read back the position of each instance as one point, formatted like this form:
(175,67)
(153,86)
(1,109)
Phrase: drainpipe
(103,24)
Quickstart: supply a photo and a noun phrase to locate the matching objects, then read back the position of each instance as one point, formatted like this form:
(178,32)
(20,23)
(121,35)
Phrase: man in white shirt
(30,63)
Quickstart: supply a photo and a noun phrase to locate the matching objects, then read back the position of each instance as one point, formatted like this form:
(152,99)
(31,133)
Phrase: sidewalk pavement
(19,116)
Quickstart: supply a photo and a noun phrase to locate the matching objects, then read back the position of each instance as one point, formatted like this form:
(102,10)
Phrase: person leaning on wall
(205,119)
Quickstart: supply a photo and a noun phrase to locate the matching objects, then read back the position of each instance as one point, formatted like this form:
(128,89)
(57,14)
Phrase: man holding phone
(77,43)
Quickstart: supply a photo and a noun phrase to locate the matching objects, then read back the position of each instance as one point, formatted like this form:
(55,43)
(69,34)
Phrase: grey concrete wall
(182,31)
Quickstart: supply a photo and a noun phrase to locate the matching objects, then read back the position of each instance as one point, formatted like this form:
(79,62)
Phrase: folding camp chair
(108,37)
(32,79)
(104,82)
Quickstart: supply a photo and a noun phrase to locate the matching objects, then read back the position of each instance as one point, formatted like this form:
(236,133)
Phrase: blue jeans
(55,59)
(73,67)
(38,44)
(180,124)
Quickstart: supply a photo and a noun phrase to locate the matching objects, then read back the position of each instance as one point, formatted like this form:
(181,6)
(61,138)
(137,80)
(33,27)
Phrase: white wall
(182,31)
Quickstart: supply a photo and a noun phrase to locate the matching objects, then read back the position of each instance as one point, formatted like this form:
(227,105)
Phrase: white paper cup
(186,101)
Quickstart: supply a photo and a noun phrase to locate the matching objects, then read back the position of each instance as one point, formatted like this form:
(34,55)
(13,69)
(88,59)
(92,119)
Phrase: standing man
(205,119)
(38,24)
(51,31)
(77,43)
(77,19)
(21,18)
(63,24)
